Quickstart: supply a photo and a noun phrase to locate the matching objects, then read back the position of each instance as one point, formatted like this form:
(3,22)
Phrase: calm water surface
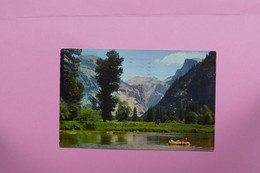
(134,140)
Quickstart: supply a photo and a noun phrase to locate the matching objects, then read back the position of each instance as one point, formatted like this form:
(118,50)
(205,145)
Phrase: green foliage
(206,116)
(173,121)
(108,76)
(71,90)
(134,117)
(160,114)
(89,126)
(74,109)
(64,111)
(157,114)
(191,118)
(172,117)
(200,119)
(181,115)
(70,125)
(150,115)
(193,90)
(166,118)
(87,114)
(140,119)
(137,126)
(123,111)
(94,104)
(148,127)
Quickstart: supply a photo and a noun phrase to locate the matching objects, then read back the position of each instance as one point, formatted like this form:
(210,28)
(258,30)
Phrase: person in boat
(184,139)
(170,140)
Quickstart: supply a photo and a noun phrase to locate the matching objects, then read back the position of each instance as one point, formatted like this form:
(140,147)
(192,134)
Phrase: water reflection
(134,140)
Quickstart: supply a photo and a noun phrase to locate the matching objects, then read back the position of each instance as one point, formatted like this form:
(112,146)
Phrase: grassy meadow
(137,126)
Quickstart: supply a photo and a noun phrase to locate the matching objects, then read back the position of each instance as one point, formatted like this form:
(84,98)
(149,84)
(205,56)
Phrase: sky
(149,63)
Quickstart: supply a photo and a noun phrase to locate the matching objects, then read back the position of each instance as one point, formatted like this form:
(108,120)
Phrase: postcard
(137,99)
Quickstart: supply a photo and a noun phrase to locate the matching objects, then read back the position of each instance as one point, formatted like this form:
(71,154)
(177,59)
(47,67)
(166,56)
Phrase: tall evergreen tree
(150,115)
(134,117)
(71,90)
(94,104)
(160,113)
(108,76)
(157,114)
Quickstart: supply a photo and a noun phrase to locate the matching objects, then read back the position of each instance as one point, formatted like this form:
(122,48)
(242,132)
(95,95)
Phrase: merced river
(134,140)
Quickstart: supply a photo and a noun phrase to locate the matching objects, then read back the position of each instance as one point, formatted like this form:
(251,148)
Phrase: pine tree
(94,104)
(150,115)
(134,117)
(160,114)
(71,90)
(108,76)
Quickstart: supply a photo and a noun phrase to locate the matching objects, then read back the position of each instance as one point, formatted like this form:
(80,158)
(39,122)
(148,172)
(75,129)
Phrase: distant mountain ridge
(155,88)
(188,64)
(134,95)
(197,86)
(139,92)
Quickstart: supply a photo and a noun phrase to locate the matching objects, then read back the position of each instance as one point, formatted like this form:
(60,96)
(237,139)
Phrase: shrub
(206,115)
(74,109)
(64,111)
(191,118)
(167,121)
(172,117)
(207,118)
(173,121)
(200,119)
(165,118)
(140,119)
(89,126)
(87,114)
(123,111)
(70,125)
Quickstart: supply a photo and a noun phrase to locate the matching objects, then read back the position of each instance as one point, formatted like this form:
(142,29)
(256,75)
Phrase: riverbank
(137,126)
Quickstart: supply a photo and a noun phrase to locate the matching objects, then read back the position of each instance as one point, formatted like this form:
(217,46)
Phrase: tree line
(191,114)
(108,72)
(71,90)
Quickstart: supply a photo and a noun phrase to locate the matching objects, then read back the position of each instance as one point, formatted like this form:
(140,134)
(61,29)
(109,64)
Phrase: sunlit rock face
(139,92)
(188,64)
(134,95)
(87,77)
(155,88)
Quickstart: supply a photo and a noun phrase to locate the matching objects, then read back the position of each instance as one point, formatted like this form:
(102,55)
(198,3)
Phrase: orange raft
(178,143)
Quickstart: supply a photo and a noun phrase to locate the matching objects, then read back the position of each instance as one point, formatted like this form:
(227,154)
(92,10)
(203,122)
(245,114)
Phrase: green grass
(137,126)
(71,125)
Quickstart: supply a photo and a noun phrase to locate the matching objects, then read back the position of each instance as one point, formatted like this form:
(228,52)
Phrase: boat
(178,143)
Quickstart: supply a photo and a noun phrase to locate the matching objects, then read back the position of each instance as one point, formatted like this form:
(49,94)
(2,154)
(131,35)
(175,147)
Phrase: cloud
(179,57)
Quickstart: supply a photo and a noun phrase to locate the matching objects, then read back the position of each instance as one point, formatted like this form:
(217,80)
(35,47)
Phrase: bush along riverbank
(136,126)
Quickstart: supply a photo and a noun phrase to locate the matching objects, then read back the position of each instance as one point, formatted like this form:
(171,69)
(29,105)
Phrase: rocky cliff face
(155,88)
(188,64)
(139,92)
(197,86)
(87,77)
(134,95)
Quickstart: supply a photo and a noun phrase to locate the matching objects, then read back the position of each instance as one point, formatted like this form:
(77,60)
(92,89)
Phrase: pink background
(33,32)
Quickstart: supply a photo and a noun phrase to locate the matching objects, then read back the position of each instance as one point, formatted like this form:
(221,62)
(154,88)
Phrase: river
(134,140)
